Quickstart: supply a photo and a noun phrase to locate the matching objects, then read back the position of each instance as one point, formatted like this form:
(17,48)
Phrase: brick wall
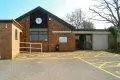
(24,36)
(9,47)
(54,25)
(5,41)
(53,39)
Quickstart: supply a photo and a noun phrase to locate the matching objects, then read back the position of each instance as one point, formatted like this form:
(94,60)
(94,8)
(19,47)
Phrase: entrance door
(88,42)
(84,42)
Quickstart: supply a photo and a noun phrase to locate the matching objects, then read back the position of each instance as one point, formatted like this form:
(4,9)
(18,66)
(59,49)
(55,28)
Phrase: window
(37,35)
(16,34)
(63,39)
(77,37)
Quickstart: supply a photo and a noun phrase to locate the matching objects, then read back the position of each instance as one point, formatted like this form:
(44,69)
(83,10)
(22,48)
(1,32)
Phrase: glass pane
(33,32)
(88,38)
(43,37)
(34,37)
(42,32)
(39,35)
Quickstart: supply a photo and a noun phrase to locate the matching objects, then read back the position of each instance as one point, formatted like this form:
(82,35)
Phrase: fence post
(30,47)
(41,47)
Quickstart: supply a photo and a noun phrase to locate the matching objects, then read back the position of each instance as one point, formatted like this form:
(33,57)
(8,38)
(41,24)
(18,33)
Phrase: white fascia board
(62,31)
(91,32)
(38,29)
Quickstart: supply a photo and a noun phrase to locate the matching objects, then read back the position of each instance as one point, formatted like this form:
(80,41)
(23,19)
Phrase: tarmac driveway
(79,65)
(51,69)
(105,61)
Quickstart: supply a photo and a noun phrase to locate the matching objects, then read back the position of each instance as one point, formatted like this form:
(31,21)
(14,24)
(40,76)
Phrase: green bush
(114,39)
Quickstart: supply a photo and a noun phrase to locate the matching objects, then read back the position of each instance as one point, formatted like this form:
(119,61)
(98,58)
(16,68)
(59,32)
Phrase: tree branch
(109,8)
(106,19)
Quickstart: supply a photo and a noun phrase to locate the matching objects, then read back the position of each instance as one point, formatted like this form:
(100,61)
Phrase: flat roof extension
(6,21)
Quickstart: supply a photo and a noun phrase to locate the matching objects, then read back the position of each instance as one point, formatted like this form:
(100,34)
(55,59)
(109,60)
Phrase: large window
(38,35)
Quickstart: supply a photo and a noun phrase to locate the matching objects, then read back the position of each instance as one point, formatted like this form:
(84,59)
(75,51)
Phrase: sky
(11,9)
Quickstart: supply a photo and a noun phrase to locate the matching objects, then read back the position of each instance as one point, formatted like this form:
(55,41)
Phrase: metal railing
(30,47)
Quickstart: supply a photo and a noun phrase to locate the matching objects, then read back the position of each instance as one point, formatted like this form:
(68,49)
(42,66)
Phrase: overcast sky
(11,9)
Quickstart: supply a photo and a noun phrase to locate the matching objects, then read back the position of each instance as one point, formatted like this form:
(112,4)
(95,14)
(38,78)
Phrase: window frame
(38,34)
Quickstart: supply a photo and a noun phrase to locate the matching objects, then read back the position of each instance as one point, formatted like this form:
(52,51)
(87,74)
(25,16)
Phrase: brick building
(9,39)
(41,26)
(44,27)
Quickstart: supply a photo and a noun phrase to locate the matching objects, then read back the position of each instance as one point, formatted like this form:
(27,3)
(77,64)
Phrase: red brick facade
(53,24)
(53,38)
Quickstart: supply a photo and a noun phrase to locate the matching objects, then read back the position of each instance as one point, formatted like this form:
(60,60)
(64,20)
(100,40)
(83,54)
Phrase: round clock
(38,20)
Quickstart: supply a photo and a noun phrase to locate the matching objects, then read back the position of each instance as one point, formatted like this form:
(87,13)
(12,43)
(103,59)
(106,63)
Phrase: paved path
(51,69)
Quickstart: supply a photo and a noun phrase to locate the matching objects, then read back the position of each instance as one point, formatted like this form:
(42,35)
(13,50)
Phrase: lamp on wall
(50,19)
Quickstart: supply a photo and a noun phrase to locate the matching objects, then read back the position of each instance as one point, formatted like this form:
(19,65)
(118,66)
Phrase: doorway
(84,42)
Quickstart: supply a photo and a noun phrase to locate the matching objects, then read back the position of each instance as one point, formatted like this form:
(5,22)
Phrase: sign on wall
(62,39)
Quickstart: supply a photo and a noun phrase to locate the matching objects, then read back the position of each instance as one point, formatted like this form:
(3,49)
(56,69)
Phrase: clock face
(38,20)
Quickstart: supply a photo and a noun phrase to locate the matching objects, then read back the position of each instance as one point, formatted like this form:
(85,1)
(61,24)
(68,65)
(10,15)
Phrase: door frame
(81,40)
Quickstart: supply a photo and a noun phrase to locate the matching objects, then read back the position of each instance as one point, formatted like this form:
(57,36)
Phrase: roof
(6,21)
(17,24)
(12,22)
(91,30)
(48,13)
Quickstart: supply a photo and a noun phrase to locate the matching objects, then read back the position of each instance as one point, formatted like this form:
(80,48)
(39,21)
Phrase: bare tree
(87,25)
(108,11)
(77,19)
